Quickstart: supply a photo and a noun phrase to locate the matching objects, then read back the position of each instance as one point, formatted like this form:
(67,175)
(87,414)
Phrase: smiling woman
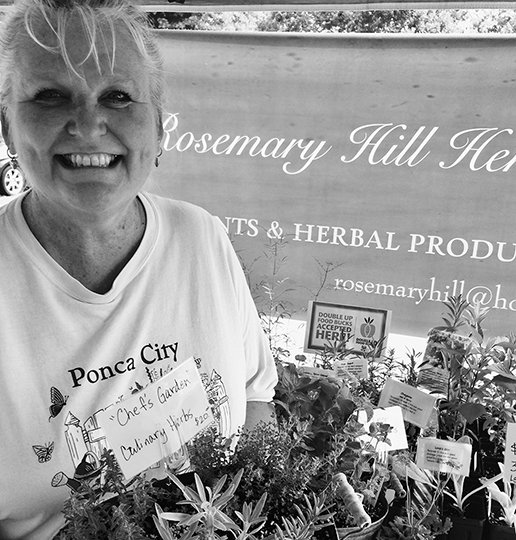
(106,268)
(74,132)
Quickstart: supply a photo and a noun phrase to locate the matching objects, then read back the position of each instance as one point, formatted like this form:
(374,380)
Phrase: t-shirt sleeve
(261,374)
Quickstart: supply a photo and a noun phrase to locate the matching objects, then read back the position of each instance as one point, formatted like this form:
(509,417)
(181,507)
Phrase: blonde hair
(100,19)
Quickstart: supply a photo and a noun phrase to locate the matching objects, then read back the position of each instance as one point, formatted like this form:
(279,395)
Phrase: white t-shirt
(67,353)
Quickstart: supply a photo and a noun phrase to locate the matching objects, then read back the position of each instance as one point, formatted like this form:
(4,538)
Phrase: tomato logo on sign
(367,328)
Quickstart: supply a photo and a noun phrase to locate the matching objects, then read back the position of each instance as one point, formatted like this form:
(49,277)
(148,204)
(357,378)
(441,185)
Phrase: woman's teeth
(89,160)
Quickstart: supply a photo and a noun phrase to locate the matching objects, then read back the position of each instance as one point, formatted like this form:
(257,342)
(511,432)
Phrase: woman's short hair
(100,19)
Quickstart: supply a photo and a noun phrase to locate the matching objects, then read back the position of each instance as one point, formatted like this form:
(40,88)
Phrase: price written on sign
(157,421)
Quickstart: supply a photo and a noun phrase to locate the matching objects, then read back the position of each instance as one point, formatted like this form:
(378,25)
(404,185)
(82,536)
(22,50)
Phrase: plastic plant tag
(417,406)
(158,420)
(386,428)
(443,339)
(434,379)
(355,365)
(509,463)
(443,456)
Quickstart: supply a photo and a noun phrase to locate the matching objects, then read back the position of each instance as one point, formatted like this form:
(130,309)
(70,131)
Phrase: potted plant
(502,507)
(327,407)
(220,505)
(316,475)
(292,477)
(477,402)
(418,517)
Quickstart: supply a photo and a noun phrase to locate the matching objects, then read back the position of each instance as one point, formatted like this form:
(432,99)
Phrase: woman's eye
(117,98)
(49,95)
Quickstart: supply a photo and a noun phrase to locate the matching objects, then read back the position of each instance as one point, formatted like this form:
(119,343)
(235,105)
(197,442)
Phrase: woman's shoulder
(183,213)
(8,206)
(166,204)
(5,202)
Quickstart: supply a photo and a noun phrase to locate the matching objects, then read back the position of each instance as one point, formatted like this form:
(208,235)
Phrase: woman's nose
(87,122)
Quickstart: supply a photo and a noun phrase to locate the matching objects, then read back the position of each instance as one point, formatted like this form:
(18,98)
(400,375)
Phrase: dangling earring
(14,158)
(156,159)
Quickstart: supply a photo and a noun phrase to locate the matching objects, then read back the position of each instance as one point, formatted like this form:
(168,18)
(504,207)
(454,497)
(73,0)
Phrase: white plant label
(356,366)
(417,406)
(443,456)
(396,438)
(509,464)
(157,421)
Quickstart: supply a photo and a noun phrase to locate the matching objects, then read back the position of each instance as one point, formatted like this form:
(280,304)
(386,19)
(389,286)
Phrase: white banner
(391,156)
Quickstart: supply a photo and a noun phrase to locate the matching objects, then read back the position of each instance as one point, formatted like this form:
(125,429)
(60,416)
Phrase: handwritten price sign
(157,421)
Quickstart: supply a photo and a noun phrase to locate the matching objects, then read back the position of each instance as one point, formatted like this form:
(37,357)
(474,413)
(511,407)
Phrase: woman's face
(85,143)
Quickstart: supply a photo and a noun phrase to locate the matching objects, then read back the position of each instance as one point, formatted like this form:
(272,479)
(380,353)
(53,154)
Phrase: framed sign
(359,327)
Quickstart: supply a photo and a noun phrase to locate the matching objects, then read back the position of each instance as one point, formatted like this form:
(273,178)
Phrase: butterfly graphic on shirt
(57,402)
(44,453)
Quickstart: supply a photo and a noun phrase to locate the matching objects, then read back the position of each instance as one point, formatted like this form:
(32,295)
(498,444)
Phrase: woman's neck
(93,252)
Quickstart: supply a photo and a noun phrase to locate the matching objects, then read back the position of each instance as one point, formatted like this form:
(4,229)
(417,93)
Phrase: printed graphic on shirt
(43,452)
(149,354)
(57,402)
(86,441)
(217,398)
(156,373)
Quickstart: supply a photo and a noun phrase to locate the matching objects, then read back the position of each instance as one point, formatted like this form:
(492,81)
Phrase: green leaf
(174,516)
(502,370)
(509,383)
(471,411)
(219,485)
(188,492)
(200,488)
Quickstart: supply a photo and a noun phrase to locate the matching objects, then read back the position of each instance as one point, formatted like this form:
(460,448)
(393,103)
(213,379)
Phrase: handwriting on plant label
(417,406)
(443,456)
(509,463)
(356,366)
(159,420)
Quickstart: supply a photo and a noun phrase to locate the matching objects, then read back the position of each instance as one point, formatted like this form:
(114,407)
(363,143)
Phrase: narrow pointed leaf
(200,488)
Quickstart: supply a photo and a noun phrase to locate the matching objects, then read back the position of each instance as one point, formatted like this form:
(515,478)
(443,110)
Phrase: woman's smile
(97,160)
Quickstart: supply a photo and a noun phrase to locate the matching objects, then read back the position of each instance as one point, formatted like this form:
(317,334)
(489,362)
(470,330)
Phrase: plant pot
(327,533)
(500,532)
(466,529)
(355,533)
(491,465)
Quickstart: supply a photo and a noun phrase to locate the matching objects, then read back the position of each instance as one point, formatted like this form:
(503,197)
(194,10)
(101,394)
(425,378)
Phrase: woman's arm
(259,411)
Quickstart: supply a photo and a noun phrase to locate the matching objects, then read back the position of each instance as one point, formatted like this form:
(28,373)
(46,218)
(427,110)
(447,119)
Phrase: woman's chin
(92,199)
